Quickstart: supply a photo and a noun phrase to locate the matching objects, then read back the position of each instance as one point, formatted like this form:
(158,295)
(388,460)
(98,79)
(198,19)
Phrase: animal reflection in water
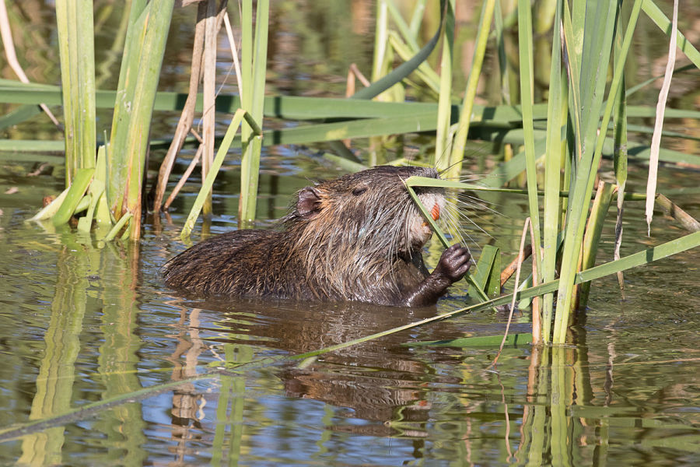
(375,381)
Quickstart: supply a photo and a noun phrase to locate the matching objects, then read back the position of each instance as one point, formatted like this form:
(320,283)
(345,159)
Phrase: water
(82,324)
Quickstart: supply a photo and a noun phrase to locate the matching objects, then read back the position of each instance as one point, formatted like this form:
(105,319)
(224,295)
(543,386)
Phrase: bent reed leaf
(416,181)
(406,68)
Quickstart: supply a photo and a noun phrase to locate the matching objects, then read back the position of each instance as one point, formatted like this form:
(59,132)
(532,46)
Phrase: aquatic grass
(17,116)
(406,32)
(385,86)
(489,122)
(208,62)
(443,134)
(451,140)
(591,239)
(536,327)
(661,20)
(379,62)
(138,79)
(576,91)
(457,148)
(429,77)
(381,84)
(50,210)
(480,342)
(76,47)
(117,227)
(669,208)
(253,68)
(503,65)
(620,128)
(488,271)
(184,124)
(98,210)
(208,183)
(13,62)
(594,59)
(571,86)
(81,180)
(121,162)
(527,80)
(555,150)
(658,124)
(557,388)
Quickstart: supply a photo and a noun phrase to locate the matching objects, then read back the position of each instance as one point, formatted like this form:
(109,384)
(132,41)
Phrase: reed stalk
(187,117)
(81,181)
(594,63)
(208,183)
(253,66)
(460,139)
(76,48)
(209,93)
(443,137)
(658,124)
(555,147)
(527,102)
(138,79)
(591,239)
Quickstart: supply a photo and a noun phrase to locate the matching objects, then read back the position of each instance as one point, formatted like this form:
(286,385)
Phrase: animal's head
(371,208)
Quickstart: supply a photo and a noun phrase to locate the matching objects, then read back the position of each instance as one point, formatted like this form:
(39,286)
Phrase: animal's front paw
(454,263)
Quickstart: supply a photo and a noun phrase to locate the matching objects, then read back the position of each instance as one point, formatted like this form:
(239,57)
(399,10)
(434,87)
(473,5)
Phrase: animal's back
(242,263)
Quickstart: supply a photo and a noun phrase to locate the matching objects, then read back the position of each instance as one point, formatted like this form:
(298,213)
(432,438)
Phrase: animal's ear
(309,203)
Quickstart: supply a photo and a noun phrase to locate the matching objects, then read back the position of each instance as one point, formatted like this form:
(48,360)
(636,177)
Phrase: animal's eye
(358,191)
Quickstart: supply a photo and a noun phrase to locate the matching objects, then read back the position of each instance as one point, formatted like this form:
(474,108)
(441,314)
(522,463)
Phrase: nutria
(355,238)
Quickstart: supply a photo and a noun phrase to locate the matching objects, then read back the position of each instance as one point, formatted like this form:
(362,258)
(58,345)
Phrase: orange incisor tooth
(435,212)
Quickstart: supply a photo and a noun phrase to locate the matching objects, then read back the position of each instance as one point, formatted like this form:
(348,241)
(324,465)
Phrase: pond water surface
(82,323)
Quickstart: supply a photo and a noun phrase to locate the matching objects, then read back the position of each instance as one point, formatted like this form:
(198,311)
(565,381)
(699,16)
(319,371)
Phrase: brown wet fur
(346,239)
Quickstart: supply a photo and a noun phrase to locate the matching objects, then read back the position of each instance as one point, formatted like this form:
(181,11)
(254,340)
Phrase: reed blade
(460,139)
(526,52)
(253,65)
(555,146)
(135,98)
(76,48)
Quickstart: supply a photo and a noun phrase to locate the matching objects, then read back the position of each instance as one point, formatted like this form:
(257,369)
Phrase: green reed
(253,70)
(76,47)
(136,93)
(113,190)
